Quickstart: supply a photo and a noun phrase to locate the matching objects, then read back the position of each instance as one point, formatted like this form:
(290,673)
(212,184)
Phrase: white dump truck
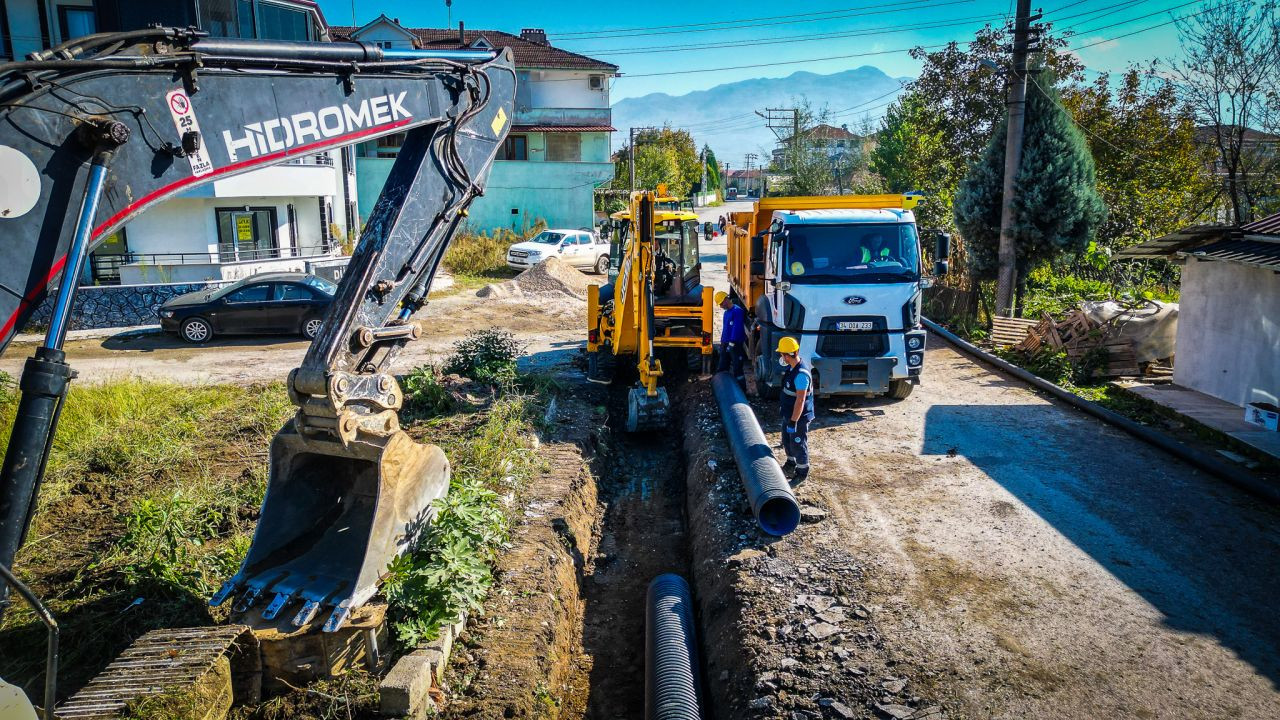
(843,275)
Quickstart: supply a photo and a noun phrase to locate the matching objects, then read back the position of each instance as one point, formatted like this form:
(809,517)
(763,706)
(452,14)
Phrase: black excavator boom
(98,130)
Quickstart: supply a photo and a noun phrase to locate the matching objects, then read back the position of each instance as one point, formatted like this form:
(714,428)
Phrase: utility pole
(785,124)
(1007,277)
(751,159)
(631,152)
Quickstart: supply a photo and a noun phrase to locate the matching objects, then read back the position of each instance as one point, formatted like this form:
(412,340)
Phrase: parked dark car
(283,303)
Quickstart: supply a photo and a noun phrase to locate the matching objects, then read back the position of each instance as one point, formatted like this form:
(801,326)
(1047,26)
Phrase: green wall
(559,193)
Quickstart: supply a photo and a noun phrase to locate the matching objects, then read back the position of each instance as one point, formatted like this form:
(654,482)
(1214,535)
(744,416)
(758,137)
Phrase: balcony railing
(563,116)
(106,268)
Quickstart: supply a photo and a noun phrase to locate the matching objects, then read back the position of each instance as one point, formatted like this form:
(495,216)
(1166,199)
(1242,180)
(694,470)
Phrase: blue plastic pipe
(772,501)
(672,689)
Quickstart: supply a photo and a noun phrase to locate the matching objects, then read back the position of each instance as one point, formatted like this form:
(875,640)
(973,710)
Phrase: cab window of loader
(690,244)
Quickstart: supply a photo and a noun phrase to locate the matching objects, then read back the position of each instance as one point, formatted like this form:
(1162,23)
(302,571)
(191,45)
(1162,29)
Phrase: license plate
(855,325)
(518,254)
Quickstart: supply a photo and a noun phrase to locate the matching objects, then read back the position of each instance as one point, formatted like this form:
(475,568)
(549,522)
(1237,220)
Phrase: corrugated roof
(1250,250)
(1269,225)
(528,54)
(1176,242)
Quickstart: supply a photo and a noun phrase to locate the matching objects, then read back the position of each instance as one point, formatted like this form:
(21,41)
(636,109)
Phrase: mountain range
(722,116)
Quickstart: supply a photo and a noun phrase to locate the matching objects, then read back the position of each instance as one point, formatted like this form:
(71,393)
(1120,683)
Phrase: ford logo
(854,300)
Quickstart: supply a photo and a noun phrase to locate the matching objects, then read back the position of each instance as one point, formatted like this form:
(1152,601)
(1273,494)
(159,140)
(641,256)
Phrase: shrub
(424,395)
(485,253)
(486,356)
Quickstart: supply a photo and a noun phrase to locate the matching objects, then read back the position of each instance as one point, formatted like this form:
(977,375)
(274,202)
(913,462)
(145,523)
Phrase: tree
(715,183)
(806,162)
(662,156)
(942,121)
(1152,171)
(1228,73)
(1057,209)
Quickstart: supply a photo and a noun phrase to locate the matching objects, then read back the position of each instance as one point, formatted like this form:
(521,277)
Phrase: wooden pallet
(1006,331)
(1121,360)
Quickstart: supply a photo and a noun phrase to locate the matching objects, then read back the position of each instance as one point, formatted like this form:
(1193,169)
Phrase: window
(246,233)
(289,291)
(277,22)
(564,147)
(227,18)
(321,284)
(253,293)
(584,239)
(516,148)
(388,146)
(75,21)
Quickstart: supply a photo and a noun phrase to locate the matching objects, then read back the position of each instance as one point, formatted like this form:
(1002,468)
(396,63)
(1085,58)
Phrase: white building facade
(286,217)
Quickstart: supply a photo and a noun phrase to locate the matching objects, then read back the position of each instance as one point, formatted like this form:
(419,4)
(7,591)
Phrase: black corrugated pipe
(672,689)
(772,501)
(1239,478)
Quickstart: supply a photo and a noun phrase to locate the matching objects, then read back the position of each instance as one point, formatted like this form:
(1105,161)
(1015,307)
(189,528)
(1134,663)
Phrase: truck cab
(843,276)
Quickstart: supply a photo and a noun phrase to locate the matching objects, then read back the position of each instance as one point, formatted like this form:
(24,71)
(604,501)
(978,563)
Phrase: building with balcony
(287,217)
(557,151)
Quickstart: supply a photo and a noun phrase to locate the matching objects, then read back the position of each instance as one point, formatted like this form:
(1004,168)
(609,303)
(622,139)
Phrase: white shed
(1228,342)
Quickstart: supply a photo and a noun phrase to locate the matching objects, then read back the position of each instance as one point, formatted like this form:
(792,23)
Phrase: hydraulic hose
(770,495)
(1195,458)
(672,689)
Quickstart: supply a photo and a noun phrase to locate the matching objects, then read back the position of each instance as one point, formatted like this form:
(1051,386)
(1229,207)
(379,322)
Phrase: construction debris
(1083,340)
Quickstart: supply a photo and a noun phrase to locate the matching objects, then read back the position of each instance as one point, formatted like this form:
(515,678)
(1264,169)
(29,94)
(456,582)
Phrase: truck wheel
(763,389)
(900,389)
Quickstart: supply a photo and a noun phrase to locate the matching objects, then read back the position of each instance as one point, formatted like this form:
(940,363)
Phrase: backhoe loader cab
(654,299)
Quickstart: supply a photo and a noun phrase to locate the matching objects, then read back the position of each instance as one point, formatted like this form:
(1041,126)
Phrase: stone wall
(108,306)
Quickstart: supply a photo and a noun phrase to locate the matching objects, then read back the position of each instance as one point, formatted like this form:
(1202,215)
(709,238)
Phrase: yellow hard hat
(720,296)
(788,345)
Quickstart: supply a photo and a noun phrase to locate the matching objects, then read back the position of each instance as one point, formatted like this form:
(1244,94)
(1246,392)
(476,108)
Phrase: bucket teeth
(247,600)
(223,593)
(337,619)
(277,604)
(306,613)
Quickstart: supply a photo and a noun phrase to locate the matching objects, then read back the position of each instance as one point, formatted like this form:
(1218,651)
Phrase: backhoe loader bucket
(333,518)
(647,412)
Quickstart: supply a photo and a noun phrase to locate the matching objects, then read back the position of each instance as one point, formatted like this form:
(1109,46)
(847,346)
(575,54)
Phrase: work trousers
(733,357)
(796,444)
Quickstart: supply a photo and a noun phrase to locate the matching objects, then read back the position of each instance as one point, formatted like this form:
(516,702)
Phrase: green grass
(148,502)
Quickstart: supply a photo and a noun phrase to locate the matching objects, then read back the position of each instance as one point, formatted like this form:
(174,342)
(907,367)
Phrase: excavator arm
(98,130)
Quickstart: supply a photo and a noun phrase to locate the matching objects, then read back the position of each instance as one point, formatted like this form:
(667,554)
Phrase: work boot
(788,466)
(800,475)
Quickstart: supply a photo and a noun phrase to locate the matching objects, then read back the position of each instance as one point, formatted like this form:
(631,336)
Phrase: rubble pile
(551,276)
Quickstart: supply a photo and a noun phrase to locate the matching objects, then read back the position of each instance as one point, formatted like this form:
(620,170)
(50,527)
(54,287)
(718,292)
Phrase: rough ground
(980,551)
(550,326)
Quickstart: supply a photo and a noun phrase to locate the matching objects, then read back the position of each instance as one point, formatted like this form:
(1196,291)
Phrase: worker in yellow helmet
(733,338)
(796,407)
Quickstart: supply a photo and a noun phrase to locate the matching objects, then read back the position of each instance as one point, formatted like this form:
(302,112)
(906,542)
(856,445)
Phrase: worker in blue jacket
(733,338)
(796,405)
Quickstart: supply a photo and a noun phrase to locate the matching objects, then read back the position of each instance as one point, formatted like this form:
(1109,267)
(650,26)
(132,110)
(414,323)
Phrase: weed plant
(451,569)
(485,254)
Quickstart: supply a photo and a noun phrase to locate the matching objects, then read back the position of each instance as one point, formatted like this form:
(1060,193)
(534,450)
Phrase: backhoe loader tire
(900,389)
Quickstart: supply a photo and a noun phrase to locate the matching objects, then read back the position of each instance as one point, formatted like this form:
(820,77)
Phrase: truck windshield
(851,253)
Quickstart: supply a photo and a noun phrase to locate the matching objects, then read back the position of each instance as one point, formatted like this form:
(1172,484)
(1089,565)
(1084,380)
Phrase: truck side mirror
(943,249)
(940,268)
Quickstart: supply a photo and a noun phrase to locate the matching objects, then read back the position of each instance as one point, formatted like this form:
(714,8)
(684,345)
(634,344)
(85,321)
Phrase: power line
(1142,30)
(882,30)
(1130,20)
(914,5)
(789,62)
(713,22)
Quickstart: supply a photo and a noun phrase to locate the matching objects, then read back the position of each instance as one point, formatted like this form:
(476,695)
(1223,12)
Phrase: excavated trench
(563,634)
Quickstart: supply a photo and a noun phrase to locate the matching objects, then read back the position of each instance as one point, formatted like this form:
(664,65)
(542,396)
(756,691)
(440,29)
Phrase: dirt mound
(549,276)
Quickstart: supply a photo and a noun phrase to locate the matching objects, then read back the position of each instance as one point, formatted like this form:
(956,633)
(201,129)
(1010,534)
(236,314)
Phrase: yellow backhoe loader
(654,299)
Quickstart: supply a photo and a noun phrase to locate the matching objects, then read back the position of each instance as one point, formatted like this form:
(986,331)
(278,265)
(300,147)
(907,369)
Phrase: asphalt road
(1022,559)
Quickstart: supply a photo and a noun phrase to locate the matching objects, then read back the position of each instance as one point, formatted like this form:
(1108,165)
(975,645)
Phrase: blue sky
(754,32)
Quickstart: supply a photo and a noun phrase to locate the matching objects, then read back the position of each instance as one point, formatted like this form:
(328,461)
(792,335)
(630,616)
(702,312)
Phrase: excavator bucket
(333,519)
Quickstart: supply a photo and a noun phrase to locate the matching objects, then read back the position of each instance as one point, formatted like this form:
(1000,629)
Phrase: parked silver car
(582,249)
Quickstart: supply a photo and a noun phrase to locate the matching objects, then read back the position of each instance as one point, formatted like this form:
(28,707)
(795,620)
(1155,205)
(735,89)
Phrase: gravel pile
(551,276)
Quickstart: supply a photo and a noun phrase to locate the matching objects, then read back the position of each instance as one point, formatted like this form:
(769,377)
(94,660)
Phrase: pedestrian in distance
(733,338)
(795,404)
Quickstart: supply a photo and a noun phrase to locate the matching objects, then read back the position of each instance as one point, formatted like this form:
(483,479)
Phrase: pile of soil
(551,276)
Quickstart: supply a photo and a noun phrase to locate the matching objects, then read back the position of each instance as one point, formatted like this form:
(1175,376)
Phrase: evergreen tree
(714,182)
(1057,208)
